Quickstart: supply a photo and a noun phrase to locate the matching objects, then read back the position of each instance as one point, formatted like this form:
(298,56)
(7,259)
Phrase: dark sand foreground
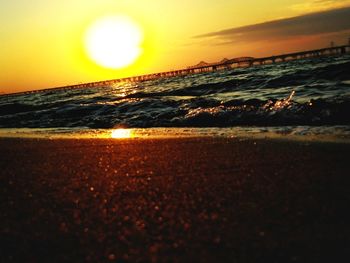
(174,200)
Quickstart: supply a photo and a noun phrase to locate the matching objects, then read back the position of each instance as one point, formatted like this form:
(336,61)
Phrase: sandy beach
(174,200)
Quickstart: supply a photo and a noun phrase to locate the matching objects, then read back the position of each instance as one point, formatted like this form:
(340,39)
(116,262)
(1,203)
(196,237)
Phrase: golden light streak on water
(122,133)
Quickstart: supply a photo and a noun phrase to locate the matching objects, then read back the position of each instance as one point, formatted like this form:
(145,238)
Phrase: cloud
(325,22)
(320,5)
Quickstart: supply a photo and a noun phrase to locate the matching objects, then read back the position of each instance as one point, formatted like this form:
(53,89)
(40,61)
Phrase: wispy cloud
(324,22)
(319,5)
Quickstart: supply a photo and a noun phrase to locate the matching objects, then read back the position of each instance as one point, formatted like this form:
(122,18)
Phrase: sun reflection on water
(122,133)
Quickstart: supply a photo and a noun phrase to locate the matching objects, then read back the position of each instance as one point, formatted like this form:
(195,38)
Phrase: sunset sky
(42,42)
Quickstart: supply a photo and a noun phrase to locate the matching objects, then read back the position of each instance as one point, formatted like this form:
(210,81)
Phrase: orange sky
(42,42)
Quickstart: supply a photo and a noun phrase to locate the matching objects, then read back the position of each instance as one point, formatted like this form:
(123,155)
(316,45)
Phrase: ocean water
(310,93)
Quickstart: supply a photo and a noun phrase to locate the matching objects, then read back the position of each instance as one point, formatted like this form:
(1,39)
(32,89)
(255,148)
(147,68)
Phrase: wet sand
(174,200)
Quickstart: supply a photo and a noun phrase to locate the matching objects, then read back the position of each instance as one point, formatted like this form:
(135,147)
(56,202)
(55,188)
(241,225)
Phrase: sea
(307,98)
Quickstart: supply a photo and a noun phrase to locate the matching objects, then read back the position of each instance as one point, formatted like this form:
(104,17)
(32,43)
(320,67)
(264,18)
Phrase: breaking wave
(306,92)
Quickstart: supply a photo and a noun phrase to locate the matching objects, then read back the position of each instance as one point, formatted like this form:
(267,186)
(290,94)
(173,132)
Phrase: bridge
(250,61)
(209,67)
(226,64)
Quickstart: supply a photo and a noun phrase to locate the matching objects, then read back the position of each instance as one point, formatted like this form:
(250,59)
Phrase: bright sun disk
(114,41)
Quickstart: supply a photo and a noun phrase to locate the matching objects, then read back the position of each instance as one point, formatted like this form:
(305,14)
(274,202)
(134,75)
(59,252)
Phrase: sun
(114,41)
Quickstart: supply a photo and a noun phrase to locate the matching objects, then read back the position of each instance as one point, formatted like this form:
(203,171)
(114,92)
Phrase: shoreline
(200,199)
(333,134)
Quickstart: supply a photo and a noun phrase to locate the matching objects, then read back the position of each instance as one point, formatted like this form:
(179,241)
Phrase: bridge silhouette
(226,64)
(209,67)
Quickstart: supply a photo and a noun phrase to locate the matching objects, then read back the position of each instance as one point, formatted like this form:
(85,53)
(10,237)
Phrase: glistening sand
(174,200)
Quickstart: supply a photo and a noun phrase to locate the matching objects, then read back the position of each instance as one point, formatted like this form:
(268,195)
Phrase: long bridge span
(208,67)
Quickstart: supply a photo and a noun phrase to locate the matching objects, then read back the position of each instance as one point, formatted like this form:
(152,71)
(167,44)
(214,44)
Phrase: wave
(257,96)
(186,113)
